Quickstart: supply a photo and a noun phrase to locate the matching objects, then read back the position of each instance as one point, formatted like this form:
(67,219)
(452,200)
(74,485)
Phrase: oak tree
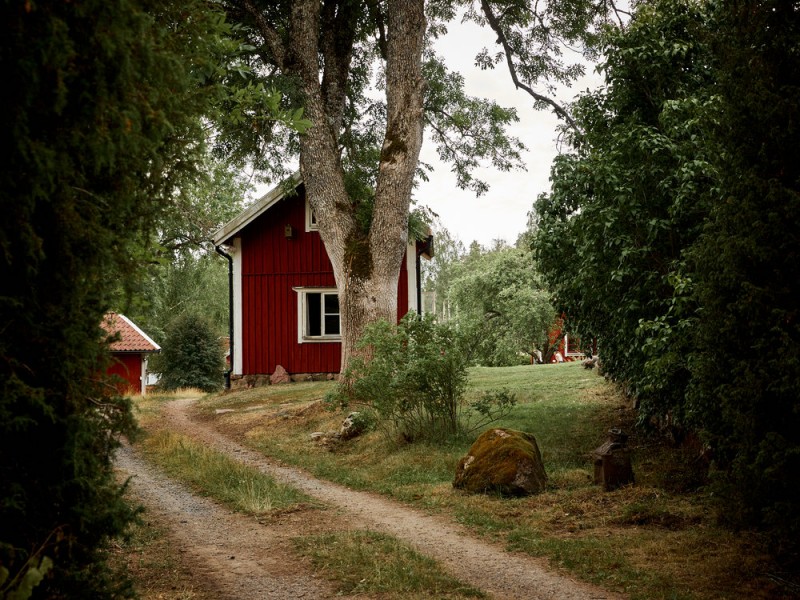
(369,83)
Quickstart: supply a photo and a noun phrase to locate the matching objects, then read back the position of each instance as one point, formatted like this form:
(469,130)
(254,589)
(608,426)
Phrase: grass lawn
(656,539)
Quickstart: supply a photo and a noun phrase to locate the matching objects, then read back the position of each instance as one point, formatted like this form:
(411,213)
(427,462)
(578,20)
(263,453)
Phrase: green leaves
(468,131)
(22,585)
(191,355)
(671,232)
(499,298)
(413,376)
(632,197)
(101,127)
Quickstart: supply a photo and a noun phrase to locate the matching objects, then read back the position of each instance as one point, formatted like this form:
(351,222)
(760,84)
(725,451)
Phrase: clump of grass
(243,488)
(364,562)
(148,408)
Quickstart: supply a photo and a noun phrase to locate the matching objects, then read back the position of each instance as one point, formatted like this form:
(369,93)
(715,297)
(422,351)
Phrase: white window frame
(311,218)
(303,319)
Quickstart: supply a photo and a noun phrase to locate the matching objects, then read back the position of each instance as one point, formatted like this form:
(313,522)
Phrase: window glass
(331,315)
(313,315)
(322,314)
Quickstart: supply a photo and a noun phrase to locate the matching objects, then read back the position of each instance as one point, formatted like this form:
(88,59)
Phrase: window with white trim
(311,218)
(318,311)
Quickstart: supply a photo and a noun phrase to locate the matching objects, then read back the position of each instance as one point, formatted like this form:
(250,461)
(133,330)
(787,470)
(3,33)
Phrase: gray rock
(354,425)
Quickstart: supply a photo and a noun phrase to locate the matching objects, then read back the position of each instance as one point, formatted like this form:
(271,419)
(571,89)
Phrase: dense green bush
(191,356)
(630,198)
(413,376)
(673,234)
(745,385)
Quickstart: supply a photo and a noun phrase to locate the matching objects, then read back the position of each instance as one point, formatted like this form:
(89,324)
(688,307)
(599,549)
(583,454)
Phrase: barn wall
(128,366)
(271,265)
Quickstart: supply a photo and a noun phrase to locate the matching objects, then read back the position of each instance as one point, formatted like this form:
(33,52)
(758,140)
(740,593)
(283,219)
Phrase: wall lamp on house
(288,231)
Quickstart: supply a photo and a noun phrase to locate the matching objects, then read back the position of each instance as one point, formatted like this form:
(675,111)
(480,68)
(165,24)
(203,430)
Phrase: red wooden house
(285,307)
(129,353)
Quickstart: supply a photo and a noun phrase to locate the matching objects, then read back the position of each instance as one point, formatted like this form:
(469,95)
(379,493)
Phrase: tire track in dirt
(480,564)
(240,558)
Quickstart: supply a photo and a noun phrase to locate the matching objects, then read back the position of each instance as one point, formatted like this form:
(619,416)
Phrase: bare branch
(376,15)
(618,11)
(494,23)
(271,37)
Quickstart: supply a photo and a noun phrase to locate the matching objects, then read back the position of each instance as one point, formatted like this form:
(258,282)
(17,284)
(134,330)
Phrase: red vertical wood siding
(128,366)
(272,265)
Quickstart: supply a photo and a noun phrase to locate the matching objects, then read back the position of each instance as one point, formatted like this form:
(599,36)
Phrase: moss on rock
(504,461)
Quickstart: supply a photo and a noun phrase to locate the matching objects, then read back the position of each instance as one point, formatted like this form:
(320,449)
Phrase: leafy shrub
(191,355)
(413,377)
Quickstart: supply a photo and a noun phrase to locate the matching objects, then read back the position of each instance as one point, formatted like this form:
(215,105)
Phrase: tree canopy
(671,234)
(369,83)
(500,299)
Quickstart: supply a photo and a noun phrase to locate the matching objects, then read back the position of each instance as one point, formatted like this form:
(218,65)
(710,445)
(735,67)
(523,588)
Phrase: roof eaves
(252,212)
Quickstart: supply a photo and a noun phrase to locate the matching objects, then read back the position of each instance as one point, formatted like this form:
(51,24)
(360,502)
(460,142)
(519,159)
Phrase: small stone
(280,375)
(354,425)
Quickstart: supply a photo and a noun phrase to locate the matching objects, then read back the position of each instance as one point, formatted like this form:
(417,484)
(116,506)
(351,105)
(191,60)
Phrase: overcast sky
(502,211)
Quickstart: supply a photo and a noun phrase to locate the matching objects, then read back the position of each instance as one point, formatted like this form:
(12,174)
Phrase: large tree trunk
(366,265)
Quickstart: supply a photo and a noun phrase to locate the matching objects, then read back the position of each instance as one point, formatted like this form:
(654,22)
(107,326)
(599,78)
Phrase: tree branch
(494,23)
(271,37)
(376,15)
(337,39)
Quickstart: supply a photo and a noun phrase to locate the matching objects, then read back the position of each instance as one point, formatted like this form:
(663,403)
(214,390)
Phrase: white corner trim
(237,306)
(411,275)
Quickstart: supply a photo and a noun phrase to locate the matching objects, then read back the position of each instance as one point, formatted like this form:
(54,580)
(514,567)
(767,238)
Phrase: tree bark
(322,38)
(366,265)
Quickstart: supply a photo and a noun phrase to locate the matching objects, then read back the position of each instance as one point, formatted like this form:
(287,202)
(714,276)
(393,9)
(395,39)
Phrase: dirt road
(247,559)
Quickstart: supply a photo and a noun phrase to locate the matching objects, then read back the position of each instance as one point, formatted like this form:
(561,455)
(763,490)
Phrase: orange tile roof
(131,338)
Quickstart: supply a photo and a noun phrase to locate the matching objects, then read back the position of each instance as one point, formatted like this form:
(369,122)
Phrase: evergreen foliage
(745,386)
(191,356)
(99,127)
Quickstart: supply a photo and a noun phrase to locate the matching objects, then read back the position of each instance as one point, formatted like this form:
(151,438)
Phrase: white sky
(502,212)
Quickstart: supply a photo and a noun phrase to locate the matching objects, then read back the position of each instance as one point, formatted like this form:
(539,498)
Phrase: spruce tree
(100,122)
(191,355)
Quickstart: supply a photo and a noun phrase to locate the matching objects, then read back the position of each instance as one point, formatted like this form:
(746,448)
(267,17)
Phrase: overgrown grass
(652,540)
(147,555)
(367,562)
(358,561)
(211,473)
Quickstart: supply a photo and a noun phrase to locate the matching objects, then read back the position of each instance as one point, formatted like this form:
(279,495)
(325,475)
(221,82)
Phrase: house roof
(272,197)
(131,338)
(255,210)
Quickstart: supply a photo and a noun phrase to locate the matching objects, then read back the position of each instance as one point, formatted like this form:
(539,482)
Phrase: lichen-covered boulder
(504,461)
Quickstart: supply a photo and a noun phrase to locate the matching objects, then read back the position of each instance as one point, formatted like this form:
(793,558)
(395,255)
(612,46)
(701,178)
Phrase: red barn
(285,307)
(129,353)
